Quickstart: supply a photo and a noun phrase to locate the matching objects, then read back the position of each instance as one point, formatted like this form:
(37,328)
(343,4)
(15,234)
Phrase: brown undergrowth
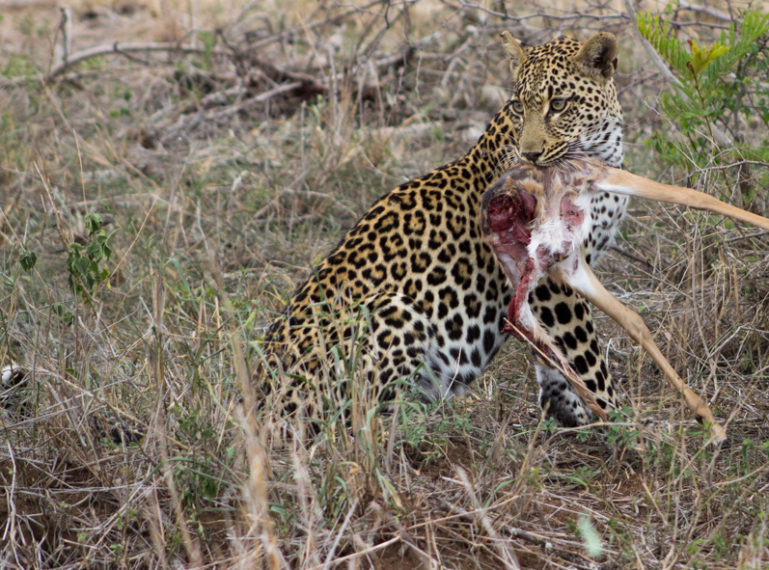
(224,152)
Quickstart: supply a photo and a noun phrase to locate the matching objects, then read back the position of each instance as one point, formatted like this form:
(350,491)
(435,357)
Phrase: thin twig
(734,165)
(547,546)
(712,12)
(65,27)
(9,534)
(632,257)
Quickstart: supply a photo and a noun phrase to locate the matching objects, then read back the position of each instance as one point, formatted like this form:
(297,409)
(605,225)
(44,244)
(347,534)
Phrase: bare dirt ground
(170,171)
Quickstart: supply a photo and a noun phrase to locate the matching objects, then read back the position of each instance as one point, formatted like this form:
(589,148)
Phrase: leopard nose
(532,156)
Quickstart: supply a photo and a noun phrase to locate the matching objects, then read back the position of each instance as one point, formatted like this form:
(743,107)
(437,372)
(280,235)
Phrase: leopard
(414,290)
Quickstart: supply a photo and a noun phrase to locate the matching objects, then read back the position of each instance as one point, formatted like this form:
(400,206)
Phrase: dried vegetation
(202,164)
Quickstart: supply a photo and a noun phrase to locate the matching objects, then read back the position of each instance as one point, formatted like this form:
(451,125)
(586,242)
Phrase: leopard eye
(517,106)
(557,104)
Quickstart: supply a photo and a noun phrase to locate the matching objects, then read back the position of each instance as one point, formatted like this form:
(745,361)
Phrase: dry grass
(222,177)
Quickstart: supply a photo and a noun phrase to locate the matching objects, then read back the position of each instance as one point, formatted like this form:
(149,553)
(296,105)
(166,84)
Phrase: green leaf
(657,33)
(702,57)
(27,259)
(93,223)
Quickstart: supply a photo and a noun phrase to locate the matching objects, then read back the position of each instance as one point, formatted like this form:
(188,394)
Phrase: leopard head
(564,101)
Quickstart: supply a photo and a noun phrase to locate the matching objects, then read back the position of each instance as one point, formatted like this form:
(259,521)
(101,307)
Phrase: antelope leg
(624,182)
(550,356)
(585,281)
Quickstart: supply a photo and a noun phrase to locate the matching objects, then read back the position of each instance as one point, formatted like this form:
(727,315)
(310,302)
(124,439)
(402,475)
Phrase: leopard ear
(514,51)
(598,56)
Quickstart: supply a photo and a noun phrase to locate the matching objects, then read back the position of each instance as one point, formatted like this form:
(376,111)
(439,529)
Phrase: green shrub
(718,99)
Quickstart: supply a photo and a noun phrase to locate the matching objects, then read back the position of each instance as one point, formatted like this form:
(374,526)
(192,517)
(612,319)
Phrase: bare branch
(650,51)
(712,12)
(124,49)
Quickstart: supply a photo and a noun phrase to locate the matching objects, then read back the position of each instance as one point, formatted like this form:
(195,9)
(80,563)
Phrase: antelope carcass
(537,218)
